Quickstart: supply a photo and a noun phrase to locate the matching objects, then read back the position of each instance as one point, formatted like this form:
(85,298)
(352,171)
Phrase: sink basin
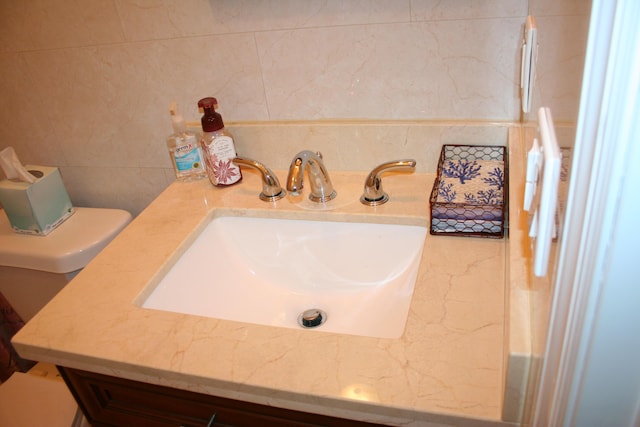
(268,271)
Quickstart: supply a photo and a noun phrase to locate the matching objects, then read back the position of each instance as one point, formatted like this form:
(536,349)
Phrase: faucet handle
(271,189)
(373,194)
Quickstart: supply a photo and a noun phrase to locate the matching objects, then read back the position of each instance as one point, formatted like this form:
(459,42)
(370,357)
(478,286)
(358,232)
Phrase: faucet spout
(319,181)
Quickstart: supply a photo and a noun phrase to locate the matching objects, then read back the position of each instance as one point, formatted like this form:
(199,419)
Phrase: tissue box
(36,208)
(469,195)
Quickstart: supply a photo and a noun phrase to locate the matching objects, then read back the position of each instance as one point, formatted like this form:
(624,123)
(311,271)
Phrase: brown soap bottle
(217,146)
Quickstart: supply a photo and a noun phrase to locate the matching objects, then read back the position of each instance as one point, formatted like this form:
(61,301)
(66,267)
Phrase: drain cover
(312,318)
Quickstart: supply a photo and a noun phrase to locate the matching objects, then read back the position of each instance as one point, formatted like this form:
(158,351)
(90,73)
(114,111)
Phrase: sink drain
(312,318)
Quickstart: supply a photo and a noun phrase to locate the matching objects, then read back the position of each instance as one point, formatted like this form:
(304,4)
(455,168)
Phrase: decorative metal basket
(470,192)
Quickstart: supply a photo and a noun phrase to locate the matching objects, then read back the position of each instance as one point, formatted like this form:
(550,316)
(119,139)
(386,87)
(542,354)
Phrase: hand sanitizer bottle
(184,149)
(218,147)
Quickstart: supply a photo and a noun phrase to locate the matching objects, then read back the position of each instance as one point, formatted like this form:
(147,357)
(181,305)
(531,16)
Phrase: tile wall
(86,84)
(563,27)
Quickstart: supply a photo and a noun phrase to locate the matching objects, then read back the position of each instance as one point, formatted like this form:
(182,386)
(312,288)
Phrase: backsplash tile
(351,146)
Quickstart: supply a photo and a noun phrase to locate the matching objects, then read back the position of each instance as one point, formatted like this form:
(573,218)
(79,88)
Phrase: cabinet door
(116,402)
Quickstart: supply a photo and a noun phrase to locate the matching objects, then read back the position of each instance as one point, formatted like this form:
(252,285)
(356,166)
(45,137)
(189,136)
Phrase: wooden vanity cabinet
(117,402)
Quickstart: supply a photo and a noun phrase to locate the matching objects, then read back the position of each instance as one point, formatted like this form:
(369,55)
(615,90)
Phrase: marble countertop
(447,368)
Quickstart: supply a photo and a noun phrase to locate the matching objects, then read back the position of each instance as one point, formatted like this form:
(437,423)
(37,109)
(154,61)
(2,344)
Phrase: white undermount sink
(269,271)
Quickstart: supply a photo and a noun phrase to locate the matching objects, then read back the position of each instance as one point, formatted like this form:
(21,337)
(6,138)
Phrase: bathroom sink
(359,276)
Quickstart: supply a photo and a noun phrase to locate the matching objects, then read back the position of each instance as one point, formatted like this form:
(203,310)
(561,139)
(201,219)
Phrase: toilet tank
(33,269)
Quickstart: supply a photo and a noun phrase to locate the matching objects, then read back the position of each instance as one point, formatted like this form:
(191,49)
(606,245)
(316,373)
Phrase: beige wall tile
(152,19)
(555,7)
(428,10)
(52,24)
(24,118)
(131,189)
(559,68)
(441,70)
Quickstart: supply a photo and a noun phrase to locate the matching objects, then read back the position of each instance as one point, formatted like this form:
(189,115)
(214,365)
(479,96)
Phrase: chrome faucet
(319,181)
(373,194)
(271,189)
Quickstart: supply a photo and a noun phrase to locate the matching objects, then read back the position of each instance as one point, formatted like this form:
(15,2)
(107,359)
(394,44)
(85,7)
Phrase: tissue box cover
(36,208)
(469,194)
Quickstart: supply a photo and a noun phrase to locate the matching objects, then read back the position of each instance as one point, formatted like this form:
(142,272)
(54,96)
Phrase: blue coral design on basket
(473,182)
(495,178)
(489,197)
(445,191)
(464,170)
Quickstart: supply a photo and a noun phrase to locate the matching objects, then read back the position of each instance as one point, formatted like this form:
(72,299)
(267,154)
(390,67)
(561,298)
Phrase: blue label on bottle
(188,158)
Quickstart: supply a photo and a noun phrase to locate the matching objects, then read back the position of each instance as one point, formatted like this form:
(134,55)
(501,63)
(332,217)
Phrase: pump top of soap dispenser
(211,121)
(177,121)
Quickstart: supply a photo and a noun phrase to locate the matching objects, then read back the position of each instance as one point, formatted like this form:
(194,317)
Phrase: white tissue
(12,167)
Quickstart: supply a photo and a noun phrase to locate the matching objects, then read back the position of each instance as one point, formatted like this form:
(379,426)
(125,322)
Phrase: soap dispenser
(185,151)
(218,147)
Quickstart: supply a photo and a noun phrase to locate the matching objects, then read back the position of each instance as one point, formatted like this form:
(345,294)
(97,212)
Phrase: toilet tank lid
(69,247)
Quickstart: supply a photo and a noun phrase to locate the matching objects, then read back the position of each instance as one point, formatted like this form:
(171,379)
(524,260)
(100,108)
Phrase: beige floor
(37,398)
